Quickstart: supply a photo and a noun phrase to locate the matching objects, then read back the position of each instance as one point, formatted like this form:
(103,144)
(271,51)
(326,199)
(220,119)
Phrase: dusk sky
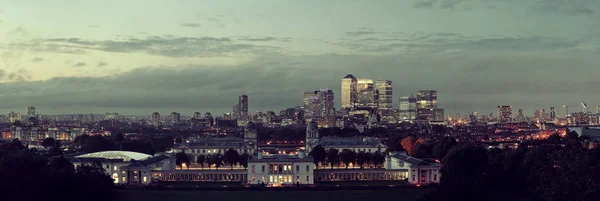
(142,56)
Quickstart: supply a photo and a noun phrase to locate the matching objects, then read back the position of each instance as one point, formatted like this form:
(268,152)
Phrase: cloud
(79,64)
(101,64)
(466,81)
(169,46)
(191,25)
(93,26)
(439,42)
(571,7)
(37,60)
(462,5)
(213,19)
(18,76)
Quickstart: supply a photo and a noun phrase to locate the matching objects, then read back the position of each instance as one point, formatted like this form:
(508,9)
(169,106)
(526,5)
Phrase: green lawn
(396,194)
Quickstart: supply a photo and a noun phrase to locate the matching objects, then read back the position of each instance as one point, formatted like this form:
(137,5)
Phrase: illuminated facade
(416,171)
(384,87)
(126,167)
(504,114)
(281,170)
(427,99)
(214,145)
(348,92)
(407,109)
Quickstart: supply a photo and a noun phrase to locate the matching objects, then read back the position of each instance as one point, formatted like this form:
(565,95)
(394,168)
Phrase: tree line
(333,157)
(231,158)
(554,170)
(29,174)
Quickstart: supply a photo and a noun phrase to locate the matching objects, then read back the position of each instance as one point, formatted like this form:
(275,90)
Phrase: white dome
(125,155)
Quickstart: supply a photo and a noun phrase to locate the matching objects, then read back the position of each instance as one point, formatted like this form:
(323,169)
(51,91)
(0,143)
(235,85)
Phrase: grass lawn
(342,195)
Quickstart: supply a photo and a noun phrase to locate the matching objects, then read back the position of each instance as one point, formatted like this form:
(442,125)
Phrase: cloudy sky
(141,56)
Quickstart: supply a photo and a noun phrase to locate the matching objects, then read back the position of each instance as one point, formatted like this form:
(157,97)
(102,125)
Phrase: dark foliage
(319,155)
(29,176)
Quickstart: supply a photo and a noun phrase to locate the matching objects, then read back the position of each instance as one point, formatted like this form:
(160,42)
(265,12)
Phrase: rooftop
(124,155)
(281,158)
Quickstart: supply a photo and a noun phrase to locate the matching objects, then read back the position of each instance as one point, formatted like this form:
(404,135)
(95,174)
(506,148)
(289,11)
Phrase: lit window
(289,178)
(270,179)
(285,168)
(115,168)
(145,179)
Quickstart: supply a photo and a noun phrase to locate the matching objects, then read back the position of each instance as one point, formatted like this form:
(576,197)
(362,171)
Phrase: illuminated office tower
(552,113)
(366,99)
(407,109)
(155,119)
(349,92)
(427,99)
(384,88)
(504,114)
(364,84)
(306,101)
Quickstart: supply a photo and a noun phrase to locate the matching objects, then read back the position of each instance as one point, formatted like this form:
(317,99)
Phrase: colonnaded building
(131,168)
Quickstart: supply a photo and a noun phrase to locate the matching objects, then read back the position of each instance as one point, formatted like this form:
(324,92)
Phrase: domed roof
(125,155)
(250,126)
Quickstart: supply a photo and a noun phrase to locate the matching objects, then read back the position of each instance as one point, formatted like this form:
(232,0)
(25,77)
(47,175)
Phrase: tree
(178,140)
(377,159)
(319,154)
(216,160)
(442,146)
(48,142)
(119,137)
(243,160)
(464,166)
(201,159)
(182,158)
(572,135)
(333,157)
(347,156)
(408,144)
(362,158)
(98,143)
(554,138)
(231,157)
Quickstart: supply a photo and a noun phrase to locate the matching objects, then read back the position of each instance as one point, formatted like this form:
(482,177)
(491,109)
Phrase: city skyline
(206,54)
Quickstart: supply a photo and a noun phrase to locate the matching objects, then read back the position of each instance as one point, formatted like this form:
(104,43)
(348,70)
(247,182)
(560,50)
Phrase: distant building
(407,111)
(175,118)
(504,114)
(348,95)
(418,171)
(356,144)
(30,111)
(156,119)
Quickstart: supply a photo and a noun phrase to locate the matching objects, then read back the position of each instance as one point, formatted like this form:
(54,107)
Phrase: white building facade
(281,170)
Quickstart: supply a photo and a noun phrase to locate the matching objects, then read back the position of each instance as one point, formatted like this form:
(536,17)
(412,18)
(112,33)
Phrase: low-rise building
(281,169)
(417,171)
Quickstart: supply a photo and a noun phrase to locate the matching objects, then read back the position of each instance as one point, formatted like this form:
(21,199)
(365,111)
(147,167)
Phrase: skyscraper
(243,103)
(384,88)
(407,109)
(349,92)
(175,118)
(552,113)
(366,99)
(385,101)
(427,99)
(155,119)
(197,115)
(306,100)
(364,83)
(326,107)
(504,114)
(427,106)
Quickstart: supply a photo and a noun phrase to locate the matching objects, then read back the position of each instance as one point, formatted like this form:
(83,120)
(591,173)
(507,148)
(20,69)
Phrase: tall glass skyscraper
(349,92)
